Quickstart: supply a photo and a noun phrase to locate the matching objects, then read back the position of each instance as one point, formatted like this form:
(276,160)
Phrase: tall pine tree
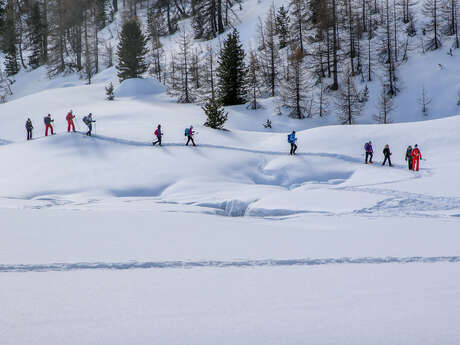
(10,40)
(36,31)
(232,71)
(131,51)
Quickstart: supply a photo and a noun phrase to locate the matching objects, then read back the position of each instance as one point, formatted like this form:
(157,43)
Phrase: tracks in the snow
(130,265)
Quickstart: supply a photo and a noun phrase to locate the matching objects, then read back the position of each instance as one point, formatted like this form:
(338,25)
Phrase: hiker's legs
(46,130)
(415,164)
(190,138)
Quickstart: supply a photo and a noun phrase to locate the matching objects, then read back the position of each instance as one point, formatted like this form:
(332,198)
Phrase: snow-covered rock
(137,87)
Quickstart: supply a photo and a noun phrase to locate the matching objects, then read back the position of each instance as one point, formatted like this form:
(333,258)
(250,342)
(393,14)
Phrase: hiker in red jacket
(416,156)
(70,123)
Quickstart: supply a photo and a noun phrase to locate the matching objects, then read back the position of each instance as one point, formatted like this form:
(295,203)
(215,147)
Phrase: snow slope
(233,240)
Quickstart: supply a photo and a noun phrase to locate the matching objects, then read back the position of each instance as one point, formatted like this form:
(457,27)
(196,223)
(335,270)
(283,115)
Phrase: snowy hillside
(109,230)
(110,240)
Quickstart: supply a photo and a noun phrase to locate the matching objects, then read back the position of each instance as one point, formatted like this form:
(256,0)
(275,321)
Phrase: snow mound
(139,87)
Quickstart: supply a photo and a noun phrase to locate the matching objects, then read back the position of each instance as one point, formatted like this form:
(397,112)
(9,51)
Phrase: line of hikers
(413,155)
(87,120)
(189,133)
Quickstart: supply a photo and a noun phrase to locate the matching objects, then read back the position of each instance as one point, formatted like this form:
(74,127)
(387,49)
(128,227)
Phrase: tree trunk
(335,84)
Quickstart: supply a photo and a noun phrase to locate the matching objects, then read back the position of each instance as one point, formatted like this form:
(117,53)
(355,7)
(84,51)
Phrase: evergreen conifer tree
(282,27)
(10,40)
(101,13)
(131,51)
(36,30)
(2,17)
(232,71)
(216,115)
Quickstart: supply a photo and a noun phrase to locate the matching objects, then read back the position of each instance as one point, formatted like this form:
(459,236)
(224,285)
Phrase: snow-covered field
(109,240)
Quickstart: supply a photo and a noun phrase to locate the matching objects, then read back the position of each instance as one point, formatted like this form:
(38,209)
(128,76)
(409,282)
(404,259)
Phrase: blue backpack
(187,132)
(291,138)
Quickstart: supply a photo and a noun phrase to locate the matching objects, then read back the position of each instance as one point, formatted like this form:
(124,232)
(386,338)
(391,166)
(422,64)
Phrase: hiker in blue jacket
(292,140)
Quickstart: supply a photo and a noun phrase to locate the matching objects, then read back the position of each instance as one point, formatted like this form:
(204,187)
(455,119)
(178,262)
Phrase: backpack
(86,120)
(45,120)
(156,132)
(187,132)
(291,138)
(366,147)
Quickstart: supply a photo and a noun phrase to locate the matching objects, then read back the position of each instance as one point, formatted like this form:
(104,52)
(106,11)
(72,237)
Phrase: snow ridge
(62,267)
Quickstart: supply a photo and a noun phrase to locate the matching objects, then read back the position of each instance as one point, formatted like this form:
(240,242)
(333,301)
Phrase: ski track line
(229,148)
(406,203)
(65,267)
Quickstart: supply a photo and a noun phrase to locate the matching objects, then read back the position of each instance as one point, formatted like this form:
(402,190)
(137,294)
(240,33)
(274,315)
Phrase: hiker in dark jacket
(88,120)
(409,157)
(29,129)
(369,152)
(387,154)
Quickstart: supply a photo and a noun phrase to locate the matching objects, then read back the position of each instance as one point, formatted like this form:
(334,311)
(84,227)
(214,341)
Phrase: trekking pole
(95,127)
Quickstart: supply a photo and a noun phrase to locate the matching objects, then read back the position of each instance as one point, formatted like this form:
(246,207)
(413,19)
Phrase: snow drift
(136,87)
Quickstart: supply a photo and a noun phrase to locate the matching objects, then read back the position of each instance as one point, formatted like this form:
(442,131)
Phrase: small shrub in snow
(216,115)
(268,124)
(109,92)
